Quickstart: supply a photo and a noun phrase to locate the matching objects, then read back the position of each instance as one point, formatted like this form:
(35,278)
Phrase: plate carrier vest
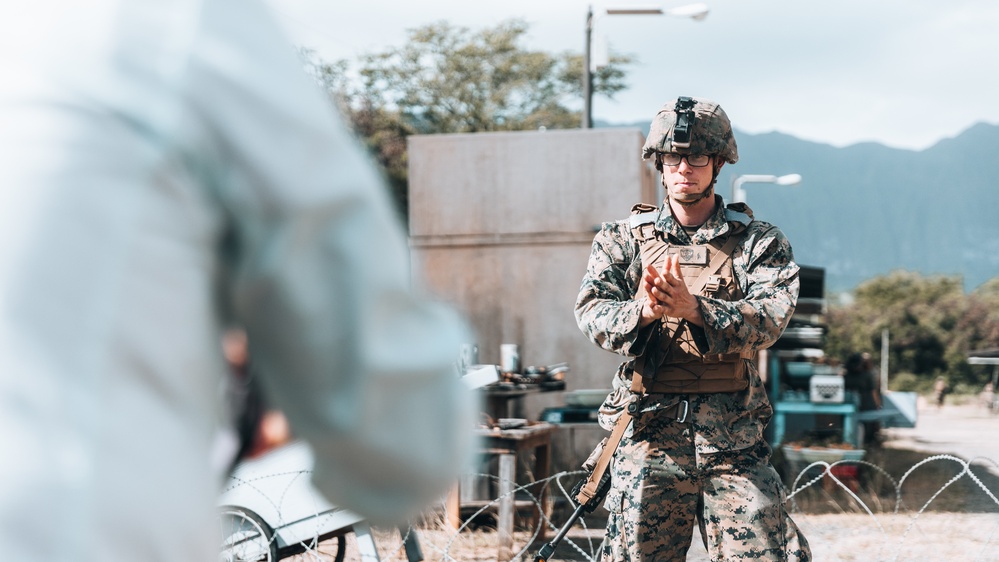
(675,365)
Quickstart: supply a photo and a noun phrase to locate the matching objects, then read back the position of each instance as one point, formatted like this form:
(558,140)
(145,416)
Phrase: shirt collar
(716,225)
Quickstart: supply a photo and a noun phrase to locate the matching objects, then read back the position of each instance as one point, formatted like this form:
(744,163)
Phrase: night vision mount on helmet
(692,126)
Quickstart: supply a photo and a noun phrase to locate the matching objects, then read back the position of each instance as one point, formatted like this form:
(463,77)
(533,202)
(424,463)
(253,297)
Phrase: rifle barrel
(548,549)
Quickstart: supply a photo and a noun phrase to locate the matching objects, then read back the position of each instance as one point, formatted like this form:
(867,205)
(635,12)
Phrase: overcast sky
(905,73)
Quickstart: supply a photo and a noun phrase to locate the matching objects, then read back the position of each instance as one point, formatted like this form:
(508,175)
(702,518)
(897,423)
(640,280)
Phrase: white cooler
(826,389)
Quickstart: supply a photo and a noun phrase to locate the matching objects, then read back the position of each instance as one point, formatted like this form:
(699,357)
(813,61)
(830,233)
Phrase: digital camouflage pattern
(711,132)
(718,456)
(661,485)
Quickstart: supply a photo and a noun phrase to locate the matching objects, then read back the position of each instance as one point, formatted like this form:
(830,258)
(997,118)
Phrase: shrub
(908,382)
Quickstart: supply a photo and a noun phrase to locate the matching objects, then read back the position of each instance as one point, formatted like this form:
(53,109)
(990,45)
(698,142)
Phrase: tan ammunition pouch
(700,378)
(675,364)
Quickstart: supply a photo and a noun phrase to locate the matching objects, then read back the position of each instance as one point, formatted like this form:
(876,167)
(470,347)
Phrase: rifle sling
(589,489)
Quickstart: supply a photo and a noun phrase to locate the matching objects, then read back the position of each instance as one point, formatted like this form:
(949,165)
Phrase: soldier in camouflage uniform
(695,451)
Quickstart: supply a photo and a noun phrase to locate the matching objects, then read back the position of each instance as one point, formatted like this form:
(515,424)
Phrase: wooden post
(504,523)
(452,508)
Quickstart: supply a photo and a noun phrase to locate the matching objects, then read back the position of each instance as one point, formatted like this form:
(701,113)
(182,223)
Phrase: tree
(932,322)
(448,79)
(979,328)
(379,128)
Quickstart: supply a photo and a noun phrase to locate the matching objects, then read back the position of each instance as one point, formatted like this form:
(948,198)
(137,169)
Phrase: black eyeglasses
(693,160)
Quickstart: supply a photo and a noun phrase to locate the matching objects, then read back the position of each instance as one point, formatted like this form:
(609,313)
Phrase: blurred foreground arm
(318,268)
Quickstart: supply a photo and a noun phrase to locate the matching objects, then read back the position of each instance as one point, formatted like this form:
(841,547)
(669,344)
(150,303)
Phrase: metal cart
(270,511)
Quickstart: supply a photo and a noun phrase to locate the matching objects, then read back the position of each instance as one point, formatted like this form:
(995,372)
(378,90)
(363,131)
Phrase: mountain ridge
(868,209)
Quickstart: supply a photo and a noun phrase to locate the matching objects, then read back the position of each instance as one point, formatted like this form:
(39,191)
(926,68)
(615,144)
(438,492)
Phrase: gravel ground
(924,505)
(833,537)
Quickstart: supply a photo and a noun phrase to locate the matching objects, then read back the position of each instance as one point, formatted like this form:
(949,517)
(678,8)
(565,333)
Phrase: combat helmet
(692,126)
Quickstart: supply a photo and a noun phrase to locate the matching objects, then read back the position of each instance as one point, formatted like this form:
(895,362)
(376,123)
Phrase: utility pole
(884,360)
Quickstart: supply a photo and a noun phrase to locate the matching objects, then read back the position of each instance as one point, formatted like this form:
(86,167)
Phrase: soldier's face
(684,182)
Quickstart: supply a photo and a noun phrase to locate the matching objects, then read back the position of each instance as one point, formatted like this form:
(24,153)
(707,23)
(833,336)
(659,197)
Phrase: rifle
(548,549)
(589,493)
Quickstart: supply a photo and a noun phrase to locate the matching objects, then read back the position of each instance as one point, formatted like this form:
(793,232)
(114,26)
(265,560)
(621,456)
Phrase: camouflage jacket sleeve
(765,268)
(605,309)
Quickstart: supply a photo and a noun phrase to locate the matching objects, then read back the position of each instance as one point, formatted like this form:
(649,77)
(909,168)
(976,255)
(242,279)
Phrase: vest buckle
(714,283)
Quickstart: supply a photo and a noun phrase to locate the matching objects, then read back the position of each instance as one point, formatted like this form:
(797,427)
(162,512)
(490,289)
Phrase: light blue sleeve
(362,366)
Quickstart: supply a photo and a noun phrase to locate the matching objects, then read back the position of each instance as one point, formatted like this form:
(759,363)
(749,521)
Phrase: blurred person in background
(169,170)
(859,376)
(256,428)
(940,391)
(987,396)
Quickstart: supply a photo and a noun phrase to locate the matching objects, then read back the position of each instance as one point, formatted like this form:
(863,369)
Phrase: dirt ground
(915,498)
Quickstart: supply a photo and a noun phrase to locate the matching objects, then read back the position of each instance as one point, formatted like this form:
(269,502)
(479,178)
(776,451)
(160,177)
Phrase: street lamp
(696,12)
(739,194)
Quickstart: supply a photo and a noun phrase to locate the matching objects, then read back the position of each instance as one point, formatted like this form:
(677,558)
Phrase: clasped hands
(668,295)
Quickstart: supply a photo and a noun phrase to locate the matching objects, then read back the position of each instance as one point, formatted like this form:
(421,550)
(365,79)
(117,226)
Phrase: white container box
(826,389)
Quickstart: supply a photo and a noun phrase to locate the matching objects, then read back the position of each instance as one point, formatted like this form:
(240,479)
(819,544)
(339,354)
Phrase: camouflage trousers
(661,486)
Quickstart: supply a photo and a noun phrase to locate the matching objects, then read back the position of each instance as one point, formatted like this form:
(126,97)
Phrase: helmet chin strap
(689,199)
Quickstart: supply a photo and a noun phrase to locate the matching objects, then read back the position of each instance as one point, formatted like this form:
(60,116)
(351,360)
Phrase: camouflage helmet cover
(709,133)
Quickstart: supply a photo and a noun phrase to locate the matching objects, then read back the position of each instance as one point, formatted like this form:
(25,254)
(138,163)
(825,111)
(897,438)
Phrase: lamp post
(739,194)
(696,12)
